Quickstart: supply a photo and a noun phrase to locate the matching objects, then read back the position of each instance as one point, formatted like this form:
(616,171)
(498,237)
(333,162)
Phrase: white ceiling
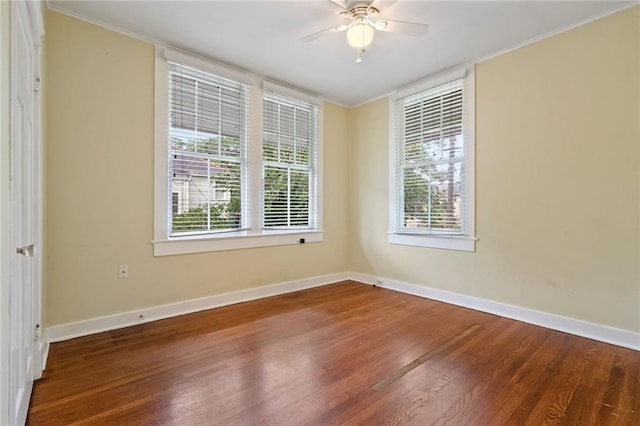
(264,36)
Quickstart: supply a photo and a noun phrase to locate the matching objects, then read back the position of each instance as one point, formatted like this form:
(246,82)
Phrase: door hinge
(36,84)
(36,335)
(29,250)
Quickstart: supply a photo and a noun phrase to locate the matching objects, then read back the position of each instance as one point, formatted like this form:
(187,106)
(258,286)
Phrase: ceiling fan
(364,23)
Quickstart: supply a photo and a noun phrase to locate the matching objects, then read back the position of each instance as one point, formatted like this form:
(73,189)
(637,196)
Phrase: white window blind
(289,144)
(431,161)
(207,152)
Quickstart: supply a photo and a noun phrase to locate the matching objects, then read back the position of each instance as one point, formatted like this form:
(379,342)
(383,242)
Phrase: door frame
(5,206)
(41,345)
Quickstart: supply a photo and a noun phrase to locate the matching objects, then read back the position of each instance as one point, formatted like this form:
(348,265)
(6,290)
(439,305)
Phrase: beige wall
(557,182)
(100,189)
(557,185)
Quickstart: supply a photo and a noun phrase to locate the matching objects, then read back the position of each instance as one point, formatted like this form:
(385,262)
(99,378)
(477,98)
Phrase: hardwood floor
(341,354)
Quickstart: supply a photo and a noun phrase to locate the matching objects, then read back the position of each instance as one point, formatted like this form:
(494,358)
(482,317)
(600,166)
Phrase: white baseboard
(586,329)
(40,356)
(71,330)
(364,278)
(603,333)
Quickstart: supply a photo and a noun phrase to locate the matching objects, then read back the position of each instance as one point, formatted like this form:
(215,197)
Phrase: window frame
(254,235)
(466,240)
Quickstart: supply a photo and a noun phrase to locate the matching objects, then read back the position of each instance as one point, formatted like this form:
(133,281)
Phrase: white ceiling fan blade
(342,4)
(410,28)
(381,4)
(324,33)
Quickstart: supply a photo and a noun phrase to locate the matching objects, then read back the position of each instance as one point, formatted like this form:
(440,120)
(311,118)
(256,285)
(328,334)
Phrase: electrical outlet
(123,272)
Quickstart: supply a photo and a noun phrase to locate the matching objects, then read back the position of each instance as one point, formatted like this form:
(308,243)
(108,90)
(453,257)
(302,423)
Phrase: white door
(24,215)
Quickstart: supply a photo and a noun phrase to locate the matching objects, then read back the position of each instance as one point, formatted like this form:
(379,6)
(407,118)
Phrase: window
(289,157)
(432,170)
(207,139)
(236,165)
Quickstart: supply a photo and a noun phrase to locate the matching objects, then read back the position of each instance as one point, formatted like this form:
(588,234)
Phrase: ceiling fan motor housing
(361,10)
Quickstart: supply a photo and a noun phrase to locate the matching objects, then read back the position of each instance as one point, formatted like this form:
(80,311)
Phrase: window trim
(255,236)
(466,242)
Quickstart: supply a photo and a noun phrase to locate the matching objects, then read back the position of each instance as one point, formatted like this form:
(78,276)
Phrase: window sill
(221,242)
(446,242)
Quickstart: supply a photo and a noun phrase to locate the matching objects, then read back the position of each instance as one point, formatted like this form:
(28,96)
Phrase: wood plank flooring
(336,355)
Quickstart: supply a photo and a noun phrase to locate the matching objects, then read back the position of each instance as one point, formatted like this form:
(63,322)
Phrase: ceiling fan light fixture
(360,35)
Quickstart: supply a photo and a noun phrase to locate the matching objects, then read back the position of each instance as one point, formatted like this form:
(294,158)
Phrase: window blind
(431,160)
(207,151)
(289,144)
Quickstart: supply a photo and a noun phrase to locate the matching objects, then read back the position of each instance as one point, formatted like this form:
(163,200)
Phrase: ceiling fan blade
(382,4)
(342,4)
(410,28)
(324,33)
